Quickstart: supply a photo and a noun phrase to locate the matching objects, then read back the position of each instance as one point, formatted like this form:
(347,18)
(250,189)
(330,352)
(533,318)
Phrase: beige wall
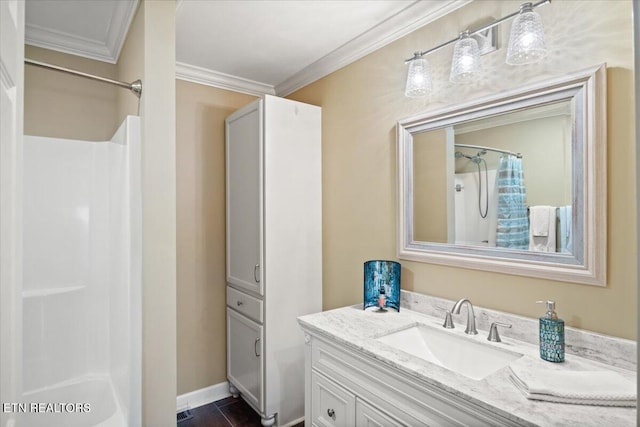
(361,104)
(149,55)
(201,292)
(131,66)
(545,145)
(60,105)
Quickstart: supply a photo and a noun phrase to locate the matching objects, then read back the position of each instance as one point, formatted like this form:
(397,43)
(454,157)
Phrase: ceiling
(251,46)
(93,29)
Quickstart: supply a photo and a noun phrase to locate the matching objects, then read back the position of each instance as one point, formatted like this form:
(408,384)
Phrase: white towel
(565,236)
(539,219)
(606,388)
(542,228)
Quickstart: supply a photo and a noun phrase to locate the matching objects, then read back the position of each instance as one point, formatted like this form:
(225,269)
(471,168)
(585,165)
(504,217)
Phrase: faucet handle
(493,331)
(448,321)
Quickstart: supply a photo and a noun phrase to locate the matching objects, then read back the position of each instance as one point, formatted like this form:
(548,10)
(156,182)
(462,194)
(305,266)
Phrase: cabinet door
(368,416)
(332,405)
(244,198)
(244,357)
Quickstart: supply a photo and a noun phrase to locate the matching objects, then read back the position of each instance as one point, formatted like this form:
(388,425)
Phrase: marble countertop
(357,330)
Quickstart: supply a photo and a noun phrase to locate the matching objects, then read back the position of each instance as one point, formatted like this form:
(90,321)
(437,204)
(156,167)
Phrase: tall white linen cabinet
(274,251)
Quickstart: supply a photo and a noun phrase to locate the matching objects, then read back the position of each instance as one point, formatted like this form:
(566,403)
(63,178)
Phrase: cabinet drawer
(332,404)
(368,416)
(245,304)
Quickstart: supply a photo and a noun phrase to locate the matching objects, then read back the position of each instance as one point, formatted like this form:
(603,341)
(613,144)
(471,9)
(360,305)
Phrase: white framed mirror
(512,183)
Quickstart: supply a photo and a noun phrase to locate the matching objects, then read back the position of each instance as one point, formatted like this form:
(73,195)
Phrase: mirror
(512,183)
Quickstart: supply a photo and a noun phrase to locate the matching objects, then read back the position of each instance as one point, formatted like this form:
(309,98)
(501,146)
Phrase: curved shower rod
(135,87)
(497,150)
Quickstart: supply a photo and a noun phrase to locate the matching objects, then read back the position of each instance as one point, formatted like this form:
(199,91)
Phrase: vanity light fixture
(465,65)
(526,41)
(418,78)
(526,45)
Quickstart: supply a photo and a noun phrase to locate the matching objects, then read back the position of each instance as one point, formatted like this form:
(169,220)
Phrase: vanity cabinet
(273,250)
(334,406)
(349,388)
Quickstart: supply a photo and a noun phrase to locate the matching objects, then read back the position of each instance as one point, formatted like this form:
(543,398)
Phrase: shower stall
(477,194)
(82,280)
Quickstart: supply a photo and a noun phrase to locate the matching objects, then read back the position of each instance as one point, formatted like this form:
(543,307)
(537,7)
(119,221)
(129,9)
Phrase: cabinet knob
(239,303)
(331,413)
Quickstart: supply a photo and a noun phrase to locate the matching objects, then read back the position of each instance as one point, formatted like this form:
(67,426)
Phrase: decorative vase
(382,285)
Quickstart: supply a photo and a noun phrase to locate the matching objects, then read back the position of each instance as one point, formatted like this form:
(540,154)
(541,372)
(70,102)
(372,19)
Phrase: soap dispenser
(551,334)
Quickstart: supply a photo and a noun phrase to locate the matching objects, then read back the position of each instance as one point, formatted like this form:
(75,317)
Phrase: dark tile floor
(227,412)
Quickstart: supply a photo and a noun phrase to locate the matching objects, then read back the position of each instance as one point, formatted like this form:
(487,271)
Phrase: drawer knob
(239,303)
(331,413)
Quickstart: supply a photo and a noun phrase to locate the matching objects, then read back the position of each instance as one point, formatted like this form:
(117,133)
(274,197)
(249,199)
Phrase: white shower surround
(82,335)
(470,227)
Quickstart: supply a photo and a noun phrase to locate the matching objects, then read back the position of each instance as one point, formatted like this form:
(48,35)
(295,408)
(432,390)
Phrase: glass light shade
(465,66)
(418,78)
(526,41)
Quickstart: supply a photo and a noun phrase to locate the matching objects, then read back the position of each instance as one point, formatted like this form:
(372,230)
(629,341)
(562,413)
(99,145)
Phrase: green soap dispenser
(551,334)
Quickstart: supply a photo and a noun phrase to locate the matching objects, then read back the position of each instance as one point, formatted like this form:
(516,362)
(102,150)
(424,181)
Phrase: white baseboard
(294,422)
(203,396)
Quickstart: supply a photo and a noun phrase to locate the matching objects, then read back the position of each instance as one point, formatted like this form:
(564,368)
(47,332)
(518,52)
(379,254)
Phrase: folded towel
(606,388)
(542,228)
(540,220)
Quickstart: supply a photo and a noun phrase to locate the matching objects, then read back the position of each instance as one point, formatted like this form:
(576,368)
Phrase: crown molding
(119,27)
(415,16)
(208,77)
(106,50)
(67,43)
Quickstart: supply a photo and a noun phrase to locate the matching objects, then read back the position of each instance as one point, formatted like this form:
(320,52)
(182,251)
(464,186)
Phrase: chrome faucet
(471,317)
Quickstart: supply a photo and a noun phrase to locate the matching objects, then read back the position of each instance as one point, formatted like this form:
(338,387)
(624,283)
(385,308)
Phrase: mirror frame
(587,91)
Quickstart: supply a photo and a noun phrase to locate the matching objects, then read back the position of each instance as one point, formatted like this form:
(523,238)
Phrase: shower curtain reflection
(513,222)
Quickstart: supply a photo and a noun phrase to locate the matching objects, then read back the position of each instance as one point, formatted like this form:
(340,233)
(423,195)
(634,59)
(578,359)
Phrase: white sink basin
(459,354)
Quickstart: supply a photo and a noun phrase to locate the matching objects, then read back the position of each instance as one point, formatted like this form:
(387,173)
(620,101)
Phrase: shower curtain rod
(480,147)
(135,87)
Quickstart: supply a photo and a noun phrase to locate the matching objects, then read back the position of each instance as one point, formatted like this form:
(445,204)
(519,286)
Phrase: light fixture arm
(471,33)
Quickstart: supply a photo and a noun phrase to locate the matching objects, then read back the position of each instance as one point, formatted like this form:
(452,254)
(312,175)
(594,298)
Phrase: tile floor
(227,412)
